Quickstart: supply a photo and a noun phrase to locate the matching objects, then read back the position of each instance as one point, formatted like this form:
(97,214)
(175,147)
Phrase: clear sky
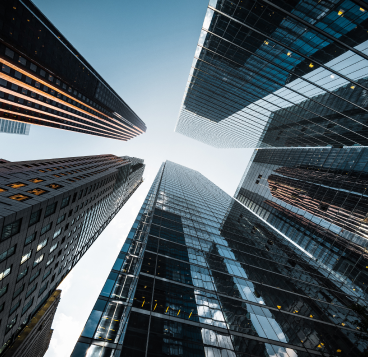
(144,50)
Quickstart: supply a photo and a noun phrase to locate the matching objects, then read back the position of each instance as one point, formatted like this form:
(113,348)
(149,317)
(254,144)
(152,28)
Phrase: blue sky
(144,50)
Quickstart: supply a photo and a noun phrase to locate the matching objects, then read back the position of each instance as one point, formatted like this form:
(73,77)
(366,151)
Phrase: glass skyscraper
(317,197)
(51,212)
(276,73)
(202,275)
(14,127)
(45,81)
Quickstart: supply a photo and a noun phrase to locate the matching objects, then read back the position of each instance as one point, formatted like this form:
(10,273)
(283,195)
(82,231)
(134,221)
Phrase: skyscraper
(45,81)
(51,212)
(201,275)
(14,127)
(275,73)
(318,199)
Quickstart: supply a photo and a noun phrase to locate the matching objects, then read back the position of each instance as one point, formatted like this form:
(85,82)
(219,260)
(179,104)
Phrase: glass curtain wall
(201,275)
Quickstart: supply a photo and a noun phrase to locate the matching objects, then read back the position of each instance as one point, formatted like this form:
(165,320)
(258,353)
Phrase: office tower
(201,275)
(14,127)
(51,212)
(317,197)
(276,73)
(45,81)
(35,339)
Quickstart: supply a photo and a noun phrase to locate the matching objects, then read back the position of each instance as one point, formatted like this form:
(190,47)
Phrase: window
(18,291)
(25,257)
(43,288)
(37,191)
(11,229)
(30,239)
(19,197)
(14,307)
(7,253)
(31,290)
(41,245)
(3,290)
(50,261)
(16,185)
(57,233)
(257,182)
(65,202)
(35,217)
(27,306)
(55,186)
(50,209)
(34,276)
(10,325)
(22,274)
(46,228)
(60,219)
(36,180)
(38,260)
(46,275)
(53,247)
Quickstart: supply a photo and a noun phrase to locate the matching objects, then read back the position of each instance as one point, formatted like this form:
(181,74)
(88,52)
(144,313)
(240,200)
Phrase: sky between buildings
(144,50)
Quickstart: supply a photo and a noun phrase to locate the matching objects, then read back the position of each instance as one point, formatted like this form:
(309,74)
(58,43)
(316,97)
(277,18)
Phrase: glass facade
(202,275)
(279,73)
(317,198)
(44,80)
(14,127)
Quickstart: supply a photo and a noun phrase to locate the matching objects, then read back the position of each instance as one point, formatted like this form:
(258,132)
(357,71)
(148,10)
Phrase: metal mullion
(286,47)
(287,109)
(304,79)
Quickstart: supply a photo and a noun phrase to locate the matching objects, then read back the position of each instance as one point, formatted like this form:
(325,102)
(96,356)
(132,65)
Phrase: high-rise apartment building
(51,212)
(14,127)
(201,275)
(45,81)
(276,73)
(317,197)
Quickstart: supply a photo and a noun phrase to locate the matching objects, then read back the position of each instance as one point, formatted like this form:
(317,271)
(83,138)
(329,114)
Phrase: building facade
(318,199)
(45,81)
(14,127)
(35,339)
(201,275)
(276,73)
(51,212)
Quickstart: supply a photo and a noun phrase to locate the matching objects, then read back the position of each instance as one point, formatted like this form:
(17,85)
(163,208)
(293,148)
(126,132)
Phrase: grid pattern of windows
(276,73)
(201,275)
(318,199)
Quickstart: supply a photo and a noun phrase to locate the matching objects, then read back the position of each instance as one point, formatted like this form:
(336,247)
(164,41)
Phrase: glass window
(30,239)
(57,233)
(18,291)
(61,219)
(11,229)
(53,247)
(22,274)
(65,202)
(7,253)
(50,209)
(46,274)
(25,257)
(35,217)
(41,245)
(14,307)
(31,290)
(38,260)
(50,261)
(46,228)
(3,290)
(43,288)
(27,306)
(34,276)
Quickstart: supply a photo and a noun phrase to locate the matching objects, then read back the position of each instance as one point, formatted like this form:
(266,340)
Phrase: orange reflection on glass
(19,197)
(16,185)
(36,180)
(37,191)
